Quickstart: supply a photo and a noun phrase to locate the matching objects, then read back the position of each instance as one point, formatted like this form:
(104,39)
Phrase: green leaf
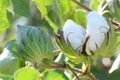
(55,74)
(52,24)
(10,17)
(41,4)
(51,12)
(3,15)
(65,6)
(70,10)
(79,16)
(7,35)
(9,61)
(27,73)
(5,77)
(94,4)
(114,75)
(54,14)
(21,7)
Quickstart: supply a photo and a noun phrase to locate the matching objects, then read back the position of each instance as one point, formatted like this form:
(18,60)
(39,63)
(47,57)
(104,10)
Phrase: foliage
(27,73)
(3,11)
(42,22)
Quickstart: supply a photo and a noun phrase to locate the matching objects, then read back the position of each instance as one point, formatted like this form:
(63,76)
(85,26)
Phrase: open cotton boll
(75,34)
(97,29)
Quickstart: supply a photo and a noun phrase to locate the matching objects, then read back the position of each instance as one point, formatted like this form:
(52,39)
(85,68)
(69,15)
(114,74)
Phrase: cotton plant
(97,29)
(71,29)
(98,40)
(34,44)
(71,39)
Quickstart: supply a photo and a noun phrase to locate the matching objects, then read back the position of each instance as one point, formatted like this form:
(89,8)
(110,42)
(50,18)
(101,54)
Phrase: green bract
(108,48)
(70,52)
(34,44)
(110,8)
(115,4)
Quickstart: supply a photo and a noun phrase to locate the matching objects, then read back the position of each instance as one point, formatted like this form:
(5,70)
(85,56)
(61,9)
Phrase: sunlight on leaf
(27,73)
(52,24)
(94,4)
(3,15)
(42,4)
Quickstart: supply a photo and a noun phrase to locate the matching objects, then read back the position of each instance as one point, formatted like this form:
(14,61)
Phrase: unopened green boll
(75,34)
(97,29)
(34,44)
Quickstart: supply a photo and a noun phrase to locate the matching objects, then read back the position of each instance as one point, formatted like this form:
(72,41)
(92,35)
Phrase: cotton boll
(75,34)
(97,29)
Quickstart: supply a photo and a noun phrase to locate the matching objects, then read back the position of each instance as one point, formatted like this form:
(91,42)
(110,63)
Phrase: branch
(78,71)
(66,66)
(50,67)
(91,76)
(88,10)
(72,70)
(117,24)
(61,66)
(81,5)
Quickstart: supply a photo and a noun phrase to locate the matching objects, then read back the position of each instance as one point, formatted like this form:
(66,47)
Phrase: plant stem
(81,5)
(66,66)
(72,70)
(78,71)
(61,66)
(51,67)
(116,24)
(91,76)
(88,73)
(88,10)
